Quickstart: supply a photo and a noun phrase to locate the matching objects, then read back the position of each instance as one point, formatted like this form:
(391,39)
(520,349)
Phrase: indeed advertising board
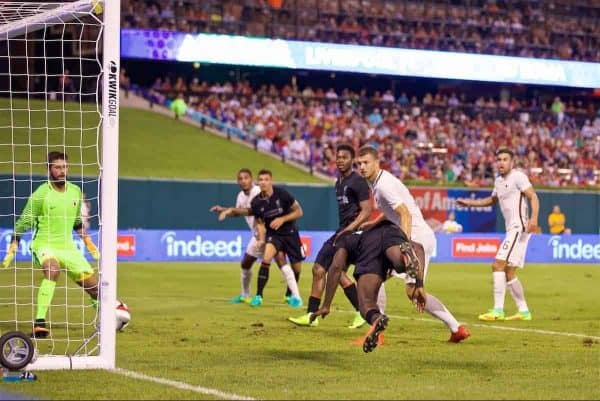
(230,246)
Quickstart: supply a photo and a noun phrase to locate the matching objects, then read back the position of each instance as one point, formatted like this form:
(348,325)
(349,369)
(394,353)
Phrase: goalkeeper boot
(376,329)
(461,334)
(492,315)
(256,300)
(304,320)
(526,315)
(240,299)
(39,329)
(357,322)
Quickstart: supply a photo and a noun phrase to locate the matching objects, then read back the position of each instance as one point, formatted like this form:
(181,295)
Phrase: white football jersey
(389,193)
(509,191)
(243,201)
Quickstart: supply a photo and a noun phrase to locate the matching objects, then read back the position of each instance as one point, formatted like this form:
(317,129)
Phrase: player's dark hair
(265,172)
(346,147)
(368,150)
(53,156)
(506,151)
(245,170)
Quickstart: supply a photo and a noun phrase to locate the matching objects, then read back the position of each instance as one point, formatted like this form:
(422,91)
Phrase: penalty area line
(180,385)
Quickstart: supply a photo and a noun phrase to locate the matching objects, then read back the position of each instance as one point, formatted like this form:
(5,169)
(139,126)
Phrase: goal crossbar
(18,18)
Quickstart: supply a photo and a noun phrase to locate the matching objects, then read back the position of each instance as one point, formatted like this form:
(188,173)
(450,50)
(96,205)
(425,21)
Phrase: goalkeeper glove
(91,247)
(10,254)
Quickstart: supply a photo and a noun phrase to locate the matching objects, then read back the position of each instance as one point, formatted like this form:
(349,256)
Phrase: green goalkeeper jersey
(52,215)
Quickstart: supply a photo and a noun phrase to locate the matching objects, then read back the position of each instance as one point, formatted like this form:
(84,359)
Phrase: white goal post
(20,26)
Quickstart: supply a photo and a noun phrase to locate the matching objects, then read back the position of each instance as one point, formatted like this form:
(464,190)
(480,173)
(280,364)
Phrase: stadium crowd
(439,138)
(556,29)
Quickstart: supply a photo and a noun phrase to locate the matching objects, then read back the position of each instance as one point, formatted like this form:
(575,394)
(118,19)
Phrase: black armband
(78,226)
(419,283)
(15,238)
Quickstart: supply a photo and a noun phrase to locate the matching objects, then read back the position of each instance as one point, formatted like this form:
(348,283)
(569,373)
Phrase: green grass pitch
(184,329)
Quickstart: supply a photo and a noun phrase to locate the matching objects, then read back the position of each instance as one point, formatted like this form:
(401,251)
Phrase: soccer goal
(59,91)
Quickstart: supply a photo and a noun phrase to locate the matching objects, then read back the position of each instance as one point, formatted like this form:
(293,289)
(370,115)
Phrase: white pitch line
(489,326)
(180,385)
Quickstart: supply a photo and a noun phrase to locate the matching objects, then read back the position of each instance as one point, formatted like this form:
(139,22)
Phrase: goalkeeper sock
(44,298)
(94,303)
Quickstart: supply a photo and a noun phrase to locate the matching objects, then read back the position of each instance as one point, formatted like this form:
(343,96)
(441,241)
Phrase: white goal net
(59,93)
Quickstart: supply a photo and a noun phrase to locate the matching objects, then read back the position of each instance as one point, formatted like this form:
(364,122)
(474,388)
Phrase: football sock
(288,292)
(352,295)
(246,277)
(288,274)
(371,315)
(263,277)
(499,289)
(516,291)
(437,309)
(44,298)
(381,298)
(313,304)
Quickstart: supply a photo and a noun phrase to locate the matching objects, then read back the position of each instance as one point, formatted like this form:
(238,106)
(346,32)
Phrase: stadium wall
(178,205)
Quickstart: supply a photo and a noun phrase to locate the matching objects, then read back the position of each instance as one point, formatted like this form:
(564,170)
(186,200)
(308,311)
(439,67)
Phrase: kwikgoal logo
(199,247)
(113,88)
(578,250)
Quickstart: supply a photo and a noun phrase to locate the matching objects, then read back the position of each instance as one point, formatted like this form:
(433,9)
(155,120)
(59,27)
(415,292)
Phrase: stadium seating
(559,29)
(439,138)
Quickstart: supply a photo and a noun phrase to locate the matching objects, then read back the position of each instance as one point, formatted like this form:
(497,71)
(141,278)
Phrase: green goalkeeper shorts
(77,267)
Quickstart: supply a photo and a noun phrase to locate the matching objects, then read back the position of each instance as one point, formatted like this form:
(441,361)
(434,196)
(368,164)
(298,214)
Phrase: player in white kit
(398,206)
(255,248)
(510,189)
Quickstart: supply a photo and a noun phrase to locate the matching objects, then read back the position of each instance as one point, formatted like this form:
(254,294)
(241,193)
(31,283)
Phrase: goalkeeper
(53,212)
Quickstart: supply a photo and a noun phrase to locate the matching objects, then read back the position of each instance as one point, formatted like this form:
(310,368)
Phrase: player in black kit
(375,252)
(354,208)
(277,209)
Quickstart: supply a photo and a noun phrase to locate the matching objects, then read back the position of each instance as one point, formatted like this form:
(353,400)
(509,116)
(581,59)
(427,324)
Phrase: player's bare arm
(363,216)
(217,208)
(535,209)
(370,224)
(295,213)
(405,219)
(234,212)
(333,279)
(481,202)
